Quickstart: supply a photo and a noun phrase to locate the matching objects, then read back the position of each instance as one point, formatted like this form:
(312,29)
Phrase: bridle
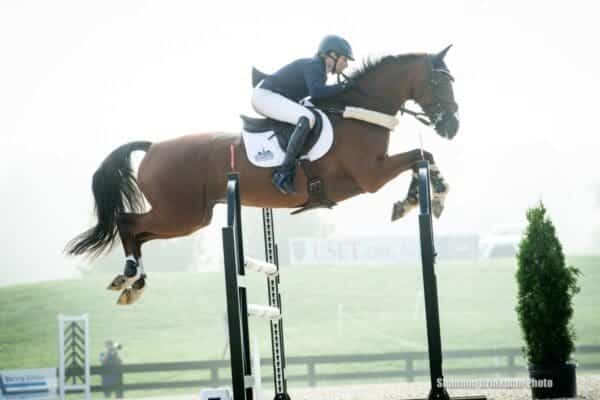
(440,80)
(434,111)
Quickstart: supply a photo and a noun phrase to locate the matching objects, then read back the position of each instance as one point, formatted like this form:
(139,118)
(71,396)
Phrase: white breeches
(278,107)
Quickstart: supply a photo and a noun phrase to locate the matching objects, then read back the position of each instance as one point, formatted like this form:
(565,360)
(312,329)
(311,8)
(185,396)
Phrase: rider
(277,97)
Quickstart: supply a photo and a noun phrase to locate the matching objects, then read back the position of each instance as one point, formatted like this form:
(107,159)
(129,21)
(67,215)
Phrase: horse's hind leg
(141,228)
(136,277)
(133,279)
(126,226)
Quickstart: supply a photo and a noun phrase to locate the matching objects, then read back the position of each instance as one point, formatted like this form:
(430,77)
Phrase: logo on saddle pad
(264,148)
(263,155)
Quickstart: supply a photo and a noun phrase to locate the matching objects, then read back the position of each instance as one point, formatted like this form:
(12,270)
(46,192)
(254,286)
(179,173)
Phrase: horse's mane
(370,64)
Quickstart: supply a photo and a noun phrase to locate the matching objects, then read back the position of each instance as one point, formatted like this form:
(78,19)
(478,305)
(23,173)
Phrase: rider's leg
(283,176)
(276,106)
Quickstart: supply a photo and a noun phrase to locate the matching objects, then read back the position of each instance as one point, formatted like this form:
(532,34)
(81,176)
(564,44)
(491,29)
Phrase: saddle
(282,130)
(313,148)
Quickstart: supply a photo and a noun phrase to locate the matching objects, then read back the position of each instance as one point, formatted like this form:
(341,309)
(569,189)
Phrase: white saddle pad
(263,148)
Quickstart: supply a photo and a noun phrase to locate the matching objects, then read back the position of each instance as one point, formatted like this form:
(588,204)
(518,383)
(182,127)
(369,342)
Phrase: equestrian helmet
(336,44)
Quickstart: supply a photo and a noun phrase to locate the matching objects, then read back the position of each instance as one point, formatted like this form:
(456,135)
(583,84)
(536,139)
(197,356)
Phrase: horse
(182,179)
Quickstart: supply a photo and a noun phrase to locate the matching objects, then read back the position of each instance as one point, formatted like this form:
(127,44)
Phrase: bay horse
(182,179)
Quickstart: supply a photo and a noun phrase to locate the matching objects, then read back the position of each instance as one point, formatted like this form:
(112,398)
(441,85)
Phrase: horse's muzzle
(448,126)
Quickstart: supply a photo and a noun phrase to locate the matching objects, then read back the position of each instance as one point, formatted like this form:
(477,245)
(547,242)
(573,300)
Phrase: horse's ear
(439,57)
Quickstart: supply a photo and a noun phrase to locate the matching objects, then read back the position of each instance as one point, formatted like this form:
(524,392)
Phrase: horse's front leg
(403,207)
(372,174)
(439,192)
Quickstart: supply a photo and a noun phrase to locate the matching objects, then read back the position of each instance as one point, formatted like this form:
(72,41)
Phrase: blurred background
(80,78)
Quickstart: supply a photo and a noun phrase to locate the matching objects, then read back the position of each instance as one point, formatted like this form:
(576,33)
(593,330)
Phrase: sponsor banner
(377,250)
(354,251)
(37,384)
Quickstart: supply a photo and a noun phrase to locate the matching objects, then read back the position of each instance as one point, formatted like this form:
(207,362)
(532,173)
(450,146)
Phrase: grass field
(327,311)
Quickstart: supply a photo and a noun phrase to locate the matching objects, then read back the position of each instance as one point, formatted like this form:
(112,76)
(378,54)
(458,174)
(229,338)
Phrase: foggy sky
(80,78)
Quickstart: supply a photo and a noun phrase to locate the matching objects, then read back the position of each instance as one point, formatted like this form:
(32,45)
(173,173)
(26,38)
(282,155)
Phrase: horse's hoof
(437,203)
(128,296)
(136,294)
(125,297)
(140,283)
(133,293)
(399,210)
(437,207)
(137,289)
(119,283)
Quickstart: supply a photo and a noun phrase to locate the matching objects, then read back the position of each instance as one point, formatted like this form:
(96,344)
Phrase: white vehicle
(502,242)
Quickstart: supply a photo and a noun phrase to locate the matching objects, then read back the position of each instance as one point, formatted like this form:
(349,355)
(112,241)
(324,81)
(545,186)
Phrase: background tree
(546,286)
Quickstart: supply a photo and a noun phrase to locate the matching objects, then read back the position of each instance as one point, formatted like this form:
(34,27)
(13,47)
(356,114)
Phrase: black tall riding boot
(283,176)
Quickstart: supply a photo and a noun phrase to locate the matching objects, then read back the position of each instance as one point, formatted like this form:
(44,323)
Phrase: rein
(419,116)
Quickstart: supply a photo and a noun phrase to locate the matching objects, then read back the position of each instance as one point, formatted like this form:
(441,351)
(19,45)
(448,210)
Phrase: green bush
(546,287)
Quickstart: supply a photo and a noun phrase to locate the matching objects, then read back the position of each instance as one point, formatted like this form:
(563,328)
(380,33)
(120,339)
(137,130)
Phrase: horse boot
(283,176)
(401,208)
(440,190)
(127,278)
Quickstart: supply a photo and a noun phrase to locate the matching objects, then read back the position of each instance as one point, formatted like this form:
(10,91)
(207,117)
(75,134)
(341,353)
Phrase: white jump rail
(245,377)
(261,266)
(260,311)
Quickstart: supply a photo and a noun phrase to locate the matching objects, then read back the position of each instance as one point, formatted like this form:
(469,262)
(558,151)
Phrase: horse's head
(436,97)
(384,85)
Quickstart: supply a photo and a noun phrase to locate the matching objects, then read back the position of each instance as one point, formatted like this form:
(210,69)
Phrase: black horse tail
(115,191)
